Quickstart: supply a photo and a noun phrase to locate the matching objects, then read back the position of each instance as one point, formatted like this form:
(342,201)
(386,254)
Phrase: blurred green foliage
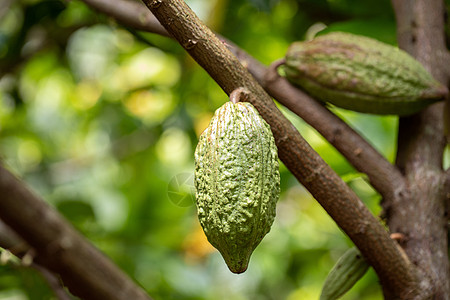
(102,122)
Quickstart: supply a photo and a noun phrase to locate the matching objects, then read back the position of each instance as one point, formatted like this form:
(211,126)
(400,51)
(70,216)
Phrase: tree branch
(394,270)
(60,248)
(131,13)
(420,213)
(10,241)
(385,177)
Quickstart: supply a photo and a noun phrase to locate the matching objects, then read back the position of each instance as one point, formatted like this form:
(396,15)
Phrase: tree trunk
(419,213)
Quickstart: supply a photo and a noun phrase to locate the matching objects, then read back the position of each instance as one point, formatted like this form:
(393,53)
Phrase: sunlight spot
(174,147)
(29,154)
(86,94)
(150,106)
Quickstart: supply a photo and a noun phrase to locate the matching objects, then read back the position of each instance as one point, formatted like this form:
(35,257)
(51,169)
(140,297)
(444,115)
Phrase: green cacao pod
(237,182)
(349,268)
(361,74)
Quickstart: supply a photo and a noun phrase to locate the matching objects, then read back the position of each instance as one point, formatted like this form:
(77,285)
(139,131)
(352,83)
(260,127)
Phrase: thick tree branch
(384,176)
(420,213)
(333,194)
(11,241)
(60,248)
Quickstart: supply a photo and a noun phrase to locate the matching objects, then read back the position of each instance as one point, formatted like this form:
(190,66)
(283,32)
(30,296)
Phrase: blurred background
(102,122)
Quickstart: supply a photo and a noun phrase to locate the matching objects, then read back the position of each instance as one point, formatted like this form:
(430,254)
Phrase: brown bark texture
(420,212)
(60,248)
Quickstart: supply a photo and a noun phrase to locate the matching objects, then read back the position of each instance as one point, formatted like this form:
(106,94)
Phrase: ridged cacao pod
(361,74)
(349,268)
(237,182)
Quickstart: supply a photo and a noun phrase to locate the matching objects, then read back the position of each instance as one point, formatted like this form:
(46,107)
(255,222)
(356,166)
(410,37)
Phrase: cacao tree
(406,243)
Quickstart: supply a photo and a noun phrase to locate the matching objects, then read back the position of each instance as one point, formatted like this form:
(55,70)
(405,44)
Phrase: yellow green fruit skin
(349,268)
(237,182)
(361,74)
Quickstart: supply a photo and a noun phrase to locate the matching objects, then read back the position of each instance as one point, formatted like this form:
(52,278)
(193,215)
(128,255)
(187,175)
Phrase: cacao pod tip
(238,269)
(437,92)
(237,263)
(444,91)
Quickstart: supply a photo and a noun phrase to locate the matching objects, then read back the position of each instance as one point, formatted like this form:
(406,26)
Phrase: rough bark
(420,213)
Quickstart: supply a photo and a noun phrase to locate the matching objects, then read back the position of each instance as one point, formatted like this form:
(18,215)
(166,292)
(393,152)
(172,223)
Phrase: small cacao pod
(349,268)
(361,74)
(237,182)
